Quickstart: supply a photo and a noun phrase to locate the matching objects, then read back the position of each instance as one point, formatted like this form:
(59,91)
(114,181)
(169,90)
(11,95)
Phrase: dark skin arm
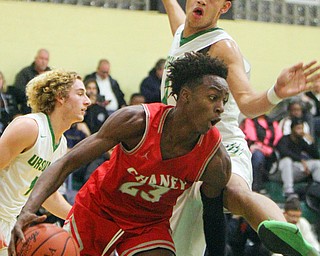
(217,174)
(125,126)
(215,179)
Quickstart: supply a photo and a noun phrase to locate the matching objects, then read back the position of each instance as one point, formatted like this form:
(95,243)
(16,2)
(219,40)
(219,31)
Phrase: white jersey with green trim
(229,125)
(18,179)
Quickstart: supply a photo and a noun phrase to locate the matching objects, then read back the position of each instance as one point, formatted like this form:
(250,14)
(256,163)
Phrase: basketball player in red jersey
(160,150)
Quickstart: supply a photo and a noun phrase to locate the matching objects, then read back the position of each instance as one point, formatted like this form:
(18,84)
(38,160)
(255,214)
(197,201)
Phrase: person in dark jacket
(38,66)
(150,86)
(299,159)
(96,113)
(108,87)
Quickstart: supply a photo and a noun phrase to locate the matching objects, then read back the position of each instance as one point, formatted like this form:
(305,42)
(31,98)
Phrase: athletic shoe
(284,238)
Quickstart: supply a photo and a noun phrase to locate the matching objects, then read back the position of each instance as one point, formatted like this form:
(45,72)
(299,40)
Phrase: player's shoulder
(129,116)
(25,123)
(22,132)
(133,112)
(224,47)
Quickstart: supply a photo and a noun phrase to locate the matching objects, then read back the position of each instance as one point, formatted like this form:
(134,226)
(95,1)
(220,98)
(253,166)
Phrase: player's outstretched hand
(298,78)
(24,220)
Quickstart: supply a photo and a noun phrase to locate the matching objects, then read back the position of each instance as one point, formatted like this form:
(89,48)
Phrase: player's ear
(185,94)
(227,5)
(60,99)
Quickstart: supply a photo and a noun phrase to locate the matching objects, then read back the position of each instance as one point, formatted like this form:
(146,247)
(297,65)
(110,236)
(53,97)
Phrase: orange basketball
(47,239)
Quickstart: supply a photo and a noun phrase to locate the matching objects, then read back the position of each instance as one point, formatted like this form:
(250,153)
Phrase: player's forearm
(49,182)
(57,205)
(175,13)
(214,224)
(255,105)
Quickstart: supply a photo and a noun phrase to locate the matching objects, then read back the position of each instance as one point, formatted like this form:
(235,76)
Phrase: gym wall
(78,36)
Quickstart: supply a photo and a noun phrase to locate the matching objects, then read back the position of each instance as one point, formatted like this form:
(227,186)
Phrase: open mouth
(198,11)
(214,121)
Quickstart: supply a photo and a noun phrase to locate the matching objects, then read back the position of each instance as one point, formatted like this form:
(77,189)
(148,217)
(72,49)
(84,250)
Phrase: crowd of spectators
(285,150)
(284,144)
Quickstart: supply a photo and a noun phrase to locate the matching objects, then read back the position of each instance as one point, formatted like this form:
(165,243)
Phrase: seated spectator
(8,104)
(314,101)
(38,66)
(298,159)
(293,214)
(150,86)
(76,133)
(262,136)
(96,113)
(242,239)
(295,110)
(108,87)
(136,99)
(5,116)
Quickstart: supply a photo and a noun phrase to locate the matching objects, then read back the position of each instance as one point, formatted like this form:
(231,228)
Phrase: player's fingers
(17,231)
(41,218)
(314,78)
(310,64)
(312,70)
(2,241)
(313,83)
(16,234)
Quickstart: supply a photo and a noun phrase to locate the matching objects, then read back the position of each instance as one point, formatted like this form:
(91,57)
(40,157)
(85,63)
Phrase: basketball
(47,239)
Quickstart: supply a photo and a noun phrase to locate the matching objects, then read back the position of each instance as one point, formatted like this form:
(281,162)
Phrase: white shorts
(186,221)
(240,159)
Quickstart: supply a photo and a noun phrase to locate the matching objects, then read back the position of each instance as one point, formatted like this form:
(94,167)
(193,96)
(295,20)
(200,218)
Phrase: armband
(273,97)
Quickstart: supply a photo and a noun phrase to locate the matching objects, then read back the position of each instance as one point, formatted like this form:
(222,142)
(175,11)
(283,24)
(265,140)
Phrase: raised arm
(126,125)
(175,14)
(291,81)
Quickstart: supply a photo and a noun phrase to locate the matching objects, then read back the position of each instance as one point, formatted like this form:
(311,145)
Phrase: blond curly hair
(43,90)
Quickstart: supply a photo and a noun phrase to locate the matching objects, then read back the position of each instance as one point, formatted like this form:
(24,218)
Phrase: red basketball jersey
(138,188)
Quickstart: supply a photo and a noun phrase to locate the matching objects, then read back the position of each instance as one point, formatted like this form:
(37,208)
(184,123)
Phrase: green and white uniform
(18,179)
(186,221)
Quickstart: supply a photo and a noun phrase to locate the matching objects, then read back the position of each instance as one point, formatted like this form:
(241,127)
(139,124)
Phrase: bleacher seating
(298,12)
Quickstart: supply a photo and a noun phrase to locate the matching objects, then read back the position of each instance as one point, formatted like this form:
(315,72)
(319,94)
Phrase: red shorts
(100,235)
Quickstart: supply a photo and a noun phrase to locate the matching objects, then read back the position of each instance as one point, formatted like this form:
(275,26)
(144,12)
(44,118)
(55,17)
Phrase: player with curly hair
(32,142)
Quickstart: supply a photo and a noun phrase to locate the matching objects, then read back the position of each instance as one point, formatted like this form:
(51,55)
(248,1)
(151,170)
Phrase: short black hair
(294,101)
(136,94)
(296,121)
(191,68)
(292,204)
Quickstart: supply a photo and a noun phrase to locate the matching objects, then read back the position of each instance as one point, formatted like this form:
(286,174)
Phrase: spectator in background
(313,98)
(38,66)
(150,86)
(295,110)
(293,214)
(108,87)
(76,133)
(96,113)
(136,99)
(8,103)
(242,239)
(5,117)
(298,159)
(262,135)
